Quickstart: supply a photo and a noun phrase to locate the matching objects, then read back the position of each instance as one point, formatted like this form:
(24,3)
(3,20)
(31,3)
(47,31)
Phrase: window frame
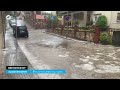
(118,17)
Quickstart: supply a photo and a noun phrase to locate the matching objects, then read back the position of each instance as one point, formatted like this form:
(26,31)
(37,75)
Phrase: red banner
(39,16)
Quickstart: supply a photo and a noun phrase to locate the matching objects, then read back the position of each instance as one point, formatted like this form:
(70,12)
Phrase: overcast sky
(48,11)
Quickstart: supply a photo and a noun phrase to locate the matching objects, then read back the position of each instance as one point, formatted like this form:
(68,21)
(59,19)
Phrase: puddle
(75,65)
(90,62)
(63,44)
(118,50)
(53,44)
(87,57)
(108,69)
(95,58)
(112,55)
(75,76)
(97,50)
(84,60)
(114,58)
(64,55)
(99,53)
(107,62)
(87,67)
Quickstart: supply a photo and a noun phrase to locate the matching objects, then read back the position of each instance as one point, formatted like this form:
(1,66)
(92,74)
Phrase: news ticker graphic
(24,70)
(35,72)
(16,67)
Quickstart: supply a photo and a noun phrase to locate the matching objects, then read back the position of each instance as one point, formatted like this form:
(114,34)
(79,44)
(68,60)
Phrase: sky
(48,11)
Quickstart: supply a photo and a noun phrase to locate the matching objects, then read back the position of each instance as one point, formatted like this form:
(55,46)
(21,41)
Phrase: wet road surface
(80,59)
(14,57)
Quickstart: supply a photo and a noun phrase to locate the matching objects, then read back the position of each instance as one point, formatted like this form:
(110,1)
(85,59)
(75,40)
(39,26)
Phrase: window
(22,27)
(38,12)
(78,16)
(118,17)
(96,16)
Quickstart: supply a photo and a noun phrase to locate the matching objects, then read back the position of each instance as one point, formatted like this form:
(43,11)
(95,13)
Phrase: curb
(27,59)
(68,38)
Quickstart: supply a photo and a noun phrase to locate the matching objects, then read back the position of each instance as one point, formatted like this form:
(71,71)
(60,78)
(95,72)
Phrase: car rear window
(22,27)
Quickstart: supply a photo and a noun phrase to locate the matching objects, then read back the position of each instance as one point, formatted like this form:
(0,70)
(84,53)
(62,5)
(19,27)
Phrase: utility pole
(3,27)
(16,34)
(67,25)
(41,22)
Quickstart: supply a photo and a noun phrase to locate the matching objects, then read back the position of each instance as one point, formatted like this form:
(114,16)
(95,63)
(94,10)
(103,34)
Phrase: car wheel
(27,35)
(14,35)
(13,31)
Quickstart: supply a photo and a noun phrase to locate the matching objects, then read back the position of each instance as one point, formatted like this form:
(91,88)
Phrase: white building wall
(106,13)
(114,23)
(54,13)
(111,17)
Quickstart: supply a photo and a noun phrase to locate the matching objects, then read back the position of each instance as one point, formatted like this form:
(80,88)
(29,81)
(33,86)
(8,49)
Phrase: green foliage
(110,41)
(76,22)
(84,28)
(52,22)
(102,22)
(105,39)
(90,23)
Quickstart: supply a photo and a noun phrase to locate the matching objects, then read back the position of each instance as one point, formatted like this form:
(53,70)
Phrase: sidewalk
(0,55)
(15,57)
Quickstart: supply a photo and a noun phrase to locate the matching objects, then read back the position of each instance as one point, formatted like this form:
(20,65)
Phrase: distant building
(113,17)
(82,16)
(53,13)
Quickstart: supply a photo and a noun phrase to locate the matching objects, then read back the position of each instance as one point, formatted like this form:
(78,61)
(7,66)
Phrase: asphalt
(80,59)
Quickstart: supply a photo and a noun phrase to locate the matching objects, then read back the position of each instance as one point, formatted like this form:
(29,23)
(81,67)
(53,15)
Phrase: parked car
(20,30)
(12,23)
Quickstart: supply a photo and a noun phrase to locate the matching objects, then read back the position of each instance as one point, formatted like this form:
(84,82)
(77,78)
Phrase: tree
(102,22)
(52,23)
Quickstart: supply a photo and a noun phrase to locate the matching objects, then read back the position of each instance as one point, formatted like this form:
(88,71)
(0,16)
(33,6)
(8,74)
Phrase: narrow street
(42,50)
(80,59)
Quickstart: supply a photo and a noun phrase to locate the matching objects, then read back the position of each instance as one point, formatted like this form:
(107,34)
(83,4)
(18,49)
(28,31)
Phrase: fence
(87,35)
